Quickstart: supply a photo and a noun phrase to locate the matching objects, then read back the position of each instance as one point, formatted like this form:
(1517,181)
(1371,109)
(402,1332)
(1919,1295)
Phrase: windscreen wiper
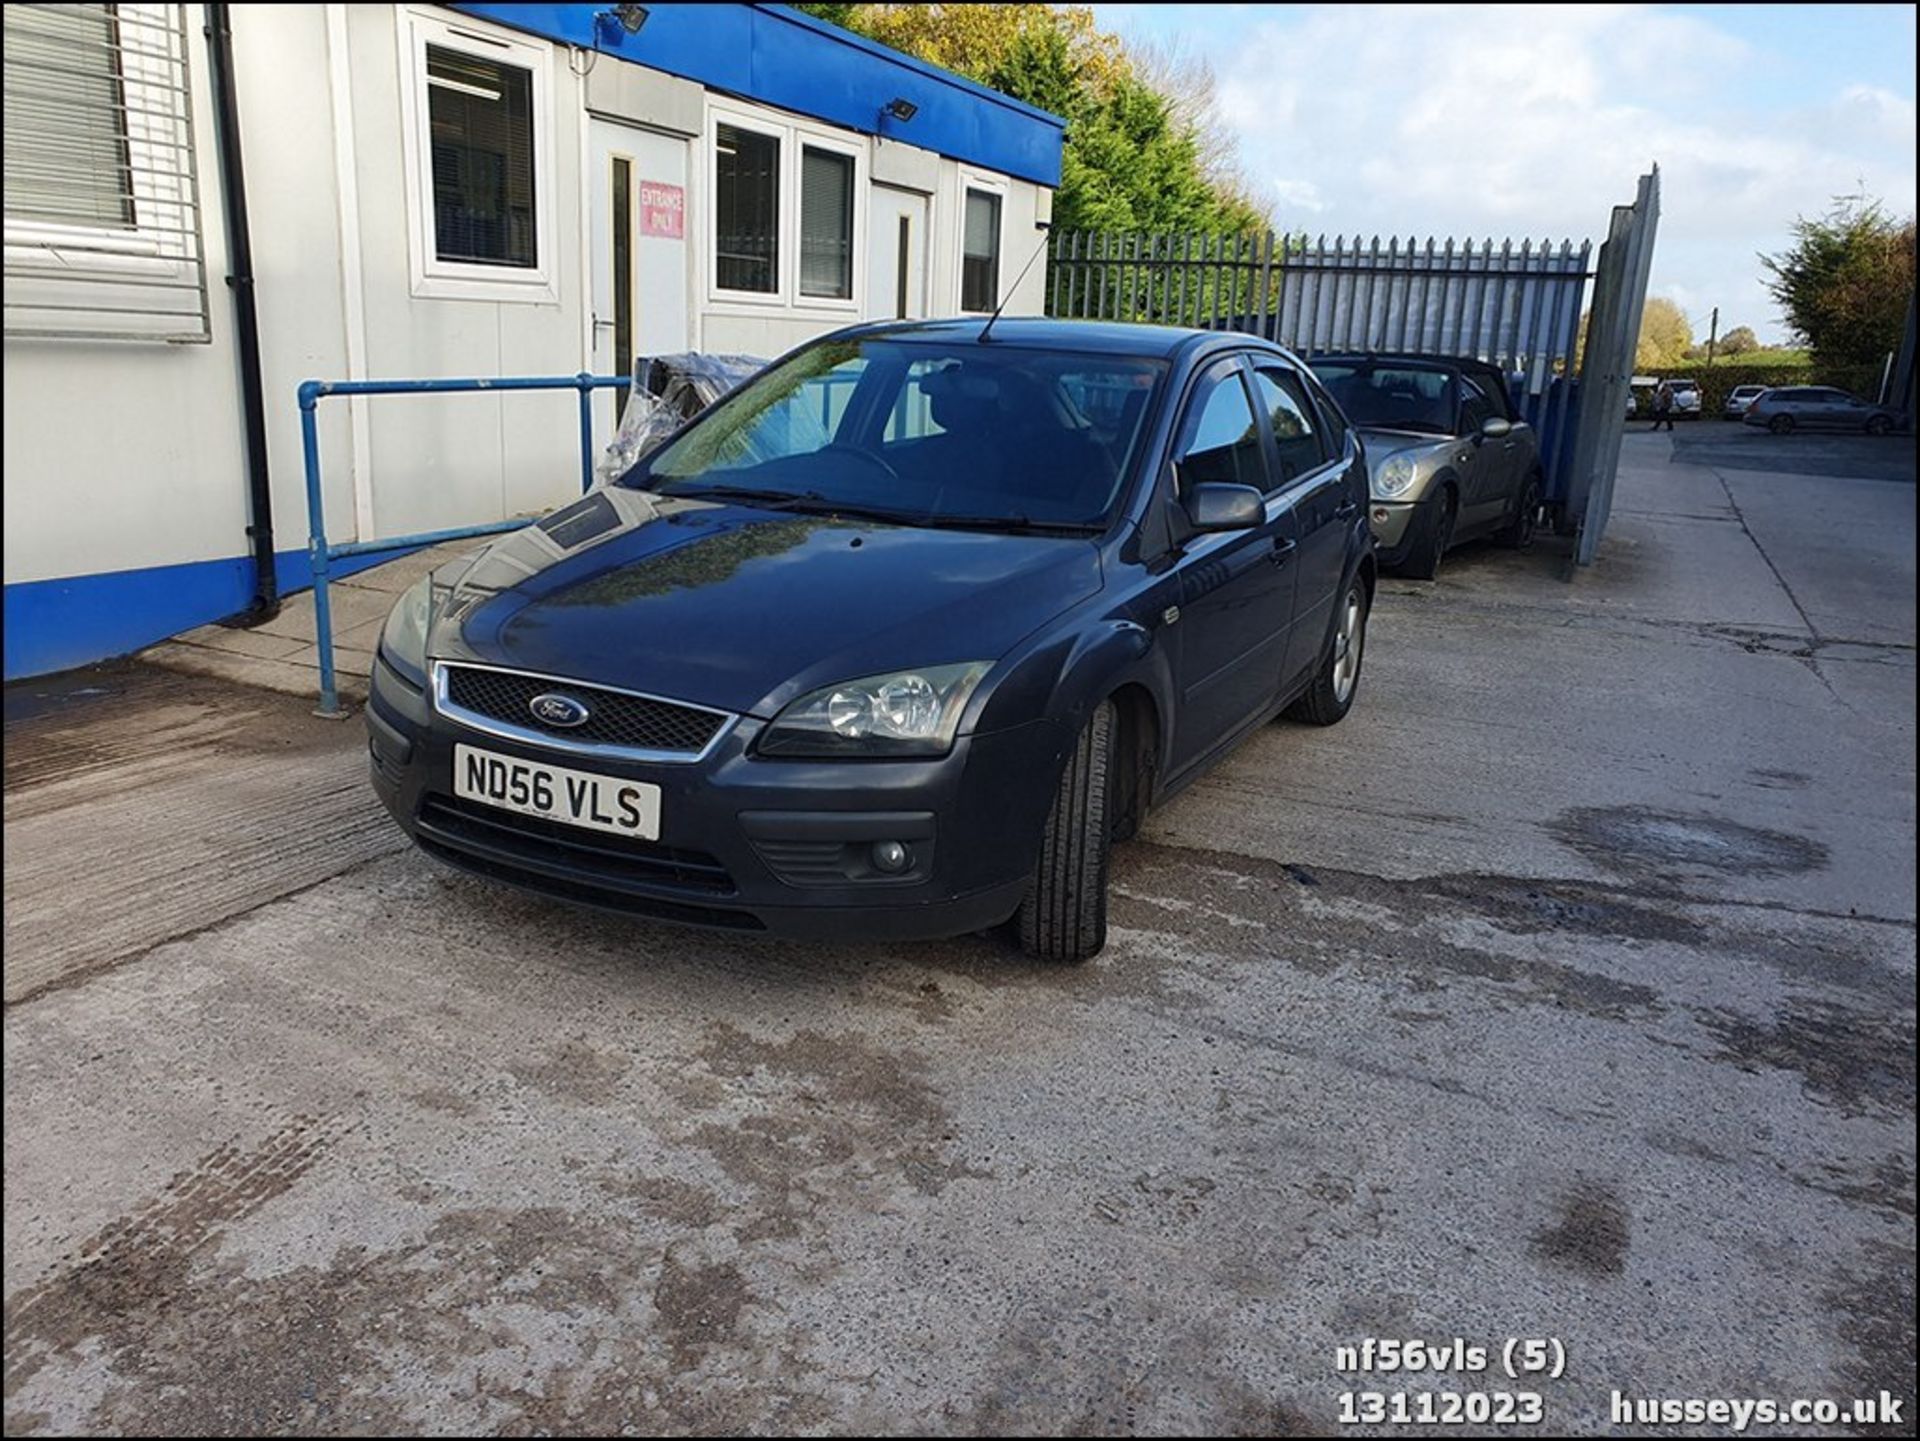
(758,499)
(1012,524)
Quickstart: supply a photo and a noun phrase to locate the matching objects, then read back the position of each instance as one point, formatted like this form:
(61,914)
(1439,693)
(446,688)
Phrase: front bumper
(1395,527)
(775,846)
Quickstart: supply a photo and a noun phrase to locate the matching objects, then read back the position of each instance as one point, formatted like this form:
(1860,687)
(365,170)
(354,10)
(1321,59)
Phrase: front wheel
(1330,697)
(1064,917)
(1781,425)
(1517,533)
(1423,563)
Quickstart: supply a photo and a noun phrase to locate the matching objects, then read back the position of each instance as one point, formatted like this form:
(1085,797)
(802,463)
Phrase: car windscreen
(1391,396)
(924,433)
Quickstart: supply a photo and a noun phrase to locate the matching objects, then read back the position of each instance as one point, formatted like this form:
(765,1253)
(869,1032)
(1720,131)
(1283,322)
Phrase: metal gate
(1515,305)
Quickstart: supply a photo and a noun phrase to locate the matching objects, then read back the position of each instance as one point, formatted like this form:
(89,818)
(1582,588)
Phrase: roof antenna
(1043,226)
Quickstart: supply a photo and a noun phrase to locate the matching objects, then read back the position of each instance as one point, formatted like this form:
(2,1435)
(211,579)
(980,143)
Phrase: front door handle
(1282,551)
(1346,508)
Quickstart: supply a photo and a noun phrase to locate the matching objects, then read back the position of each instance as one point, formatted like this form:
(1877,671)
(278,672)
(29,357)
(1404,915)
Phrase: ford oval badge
(552,708)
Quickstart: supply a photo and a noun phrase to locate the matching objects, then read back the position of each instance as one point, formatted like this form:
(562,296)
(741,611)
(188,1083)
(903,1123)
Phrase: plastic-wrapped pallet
(667,392)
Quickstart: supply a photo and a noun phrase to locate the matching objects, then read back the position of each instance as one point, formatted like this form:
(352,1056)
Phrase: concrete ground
(283,653)
(1566,990)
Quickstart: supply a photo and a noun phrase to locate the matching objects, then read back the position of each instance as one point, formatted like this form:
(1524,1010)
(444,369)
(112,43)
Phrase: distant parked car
(1633,406)
(1449,459)
(1817,407)
(1740,397)
(1686,398)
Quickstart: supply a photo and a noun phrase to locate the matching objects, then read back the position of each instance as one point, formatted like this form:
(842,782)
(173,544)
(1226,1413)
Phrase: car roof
(1405,357)
(1485,369)
(1101,337)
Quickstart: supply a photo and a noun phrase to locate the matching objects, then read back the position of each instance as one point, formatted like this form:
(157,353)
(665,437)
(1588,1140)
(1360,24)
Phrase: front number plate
(576,798)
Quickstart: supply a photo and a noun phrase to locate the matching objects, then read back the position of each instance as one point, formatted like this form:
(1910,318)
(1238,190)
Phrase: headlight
(405,637)
(901,713)
(1394,476)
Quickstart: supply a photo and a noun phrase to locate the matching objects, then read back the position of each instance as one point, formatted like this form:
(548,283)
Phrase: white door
(896,254)
(638,203)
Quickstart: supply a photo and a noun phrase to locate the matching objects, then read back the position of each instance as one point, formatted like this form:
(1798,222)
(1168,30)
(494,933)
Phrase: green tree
(1664,335)
(1136,157)
(841,15)
(1738,341)
(1844,283)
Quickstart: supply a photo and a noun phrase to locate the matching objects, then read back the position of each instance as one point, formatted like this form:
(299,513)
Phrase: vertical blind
(826,223)
(481,113)
(747,209)
(980,253)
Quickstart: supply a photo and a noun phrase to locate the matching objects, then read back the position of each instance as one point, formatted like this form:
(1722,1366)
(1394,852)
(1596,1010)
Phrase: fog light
(889,856)
(1379,512)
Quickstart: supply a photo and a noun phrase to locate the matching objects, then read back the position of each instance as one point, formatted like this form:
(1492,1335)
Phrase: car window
(1221,438)
(923,433)
(1332,421)
(912,415)
(1390,396)
(1475,409)
(1298,447)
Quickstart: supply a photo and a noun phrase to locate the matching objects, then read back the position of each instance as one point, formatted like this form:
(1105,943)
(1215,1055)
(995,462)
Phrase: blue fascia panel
(54,625)
(779,57)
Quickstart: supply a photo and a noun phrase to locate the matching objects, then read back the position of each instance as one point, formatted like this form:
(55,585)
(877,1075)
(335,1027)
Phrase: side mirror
(1495,427)
(1215,506)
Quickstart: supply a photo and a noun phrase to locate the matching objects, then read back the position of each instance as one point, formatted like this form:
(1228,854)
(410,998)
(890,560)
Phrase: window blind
(747,209)
(826,223)
(481,116)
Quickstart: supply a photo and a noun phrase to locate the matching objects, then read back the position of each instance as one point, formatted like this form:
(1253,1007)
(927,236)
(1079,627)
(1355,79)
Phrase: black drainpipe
(233,177)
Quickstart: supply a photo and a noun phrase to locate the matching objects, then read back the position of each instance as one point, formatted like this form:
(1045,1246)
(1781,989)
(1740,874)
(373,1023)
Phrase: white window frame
(147,82)
(805,139)
(987,183)
(431,277)
(792,133)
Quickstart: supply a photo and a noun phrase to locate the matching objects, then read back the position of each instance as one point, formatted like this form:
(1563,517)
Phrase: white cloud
(1484,120)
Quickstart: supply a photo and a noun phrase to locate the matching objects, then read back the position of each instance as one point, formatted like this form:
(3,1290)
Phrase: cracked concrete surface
(1566,989)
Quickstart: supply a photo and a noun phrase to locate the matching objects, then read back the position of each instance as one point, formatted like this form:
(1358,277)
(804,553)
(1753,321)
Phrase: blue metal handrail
(321,553)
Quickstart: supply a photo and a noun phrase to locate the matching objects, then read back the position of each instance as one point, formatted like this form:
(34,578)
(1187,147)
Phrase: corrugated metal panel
(103,226)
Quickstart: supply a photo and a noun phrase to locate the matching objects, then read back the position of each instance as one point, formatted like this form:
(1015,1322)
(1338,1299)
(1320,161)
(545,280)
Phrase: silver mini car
(1448,456)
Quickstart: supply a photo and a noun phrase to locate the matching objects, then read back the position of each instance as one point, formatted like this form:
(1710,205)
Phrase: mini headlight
(404,638)
(900,713)
(1394,476)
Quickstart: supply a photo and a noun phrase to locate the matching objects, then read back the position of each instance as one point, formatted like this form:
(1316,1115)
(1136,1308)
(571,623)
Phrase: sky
(1534,121)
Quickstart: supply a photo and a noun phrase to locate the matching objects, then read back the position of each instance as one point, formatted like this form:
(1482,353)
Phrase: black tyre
(1423,561)
(1330,697)
(1781,425)
(1879,425)
(1064,917)
(1517,533)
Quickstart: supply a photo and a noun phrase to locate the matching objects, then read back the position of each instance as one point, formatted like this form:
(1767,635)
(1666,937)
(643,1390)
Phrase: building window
(66,132)
(747,210)
(480,118)
(478,153)
(980,252)
(826,224)
(102,210)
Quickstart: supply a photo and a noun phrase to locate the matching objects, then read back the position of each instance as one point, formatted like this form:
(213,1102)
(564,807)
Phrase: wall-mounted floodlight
(902,109)
(620,20)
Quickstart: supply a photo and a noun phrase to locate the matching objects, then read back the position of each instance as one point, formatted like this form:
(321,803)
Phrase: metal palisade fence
(1515,304)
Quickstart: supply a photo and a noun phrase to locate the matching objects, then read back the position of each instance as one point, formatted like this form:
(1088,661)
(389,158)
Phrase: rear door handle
(1346,508)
